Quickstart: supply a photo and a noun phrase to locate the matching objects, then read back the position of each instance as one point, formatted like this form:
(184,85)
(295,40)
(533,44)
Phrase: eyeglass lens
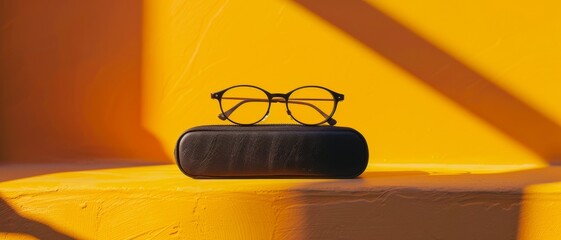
(245,104)
(248,105)
(311,105)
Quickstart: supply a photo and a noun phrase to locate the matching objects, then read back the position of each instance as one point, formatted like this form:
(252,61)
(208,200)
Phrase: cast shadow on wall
(445,74)
(71,83)
(423,206)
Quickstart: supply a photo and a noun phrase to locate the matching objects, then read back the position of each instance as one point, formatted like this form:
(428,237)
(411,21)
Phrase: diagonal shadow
(12,222)
(71,83)
(444,73)
(417,205)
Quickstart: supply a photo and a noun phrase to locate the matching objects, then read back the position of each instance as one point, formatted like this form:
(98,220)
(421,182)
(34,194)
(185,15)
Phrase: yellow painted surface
(192,48)
(70,83)
(158,202)
(460,152)
(128,89)
(540,215)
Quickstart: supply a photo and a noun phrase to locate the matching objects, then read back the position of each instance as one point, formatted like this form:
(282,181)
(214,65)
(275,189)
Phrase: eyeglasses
(248,105)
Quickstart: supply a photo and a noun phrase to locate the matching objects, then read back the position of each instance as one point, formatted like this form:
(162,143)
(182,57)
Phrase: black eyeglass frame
(337,97)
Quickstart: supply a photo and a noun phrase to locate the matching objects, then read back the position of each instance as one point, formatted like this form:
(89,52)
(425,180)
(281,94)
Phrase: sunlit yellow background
(117,82)
(192,48)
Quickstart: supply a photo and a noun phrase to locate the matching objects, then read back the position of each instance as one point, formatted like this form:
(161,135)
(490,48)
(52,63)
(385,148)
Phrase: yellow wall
(435,82)
(430,84)
(70,82)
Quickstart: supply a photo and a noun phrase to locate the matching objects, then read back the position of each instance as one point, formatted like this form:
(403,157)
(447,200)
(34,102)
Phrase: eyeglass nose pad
(222,116)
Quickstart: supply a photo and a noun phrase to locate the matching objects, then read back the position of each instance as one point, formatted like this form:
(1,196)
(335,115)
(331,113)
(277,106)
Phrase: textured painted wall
(438,82)
(437,88)
(71,82)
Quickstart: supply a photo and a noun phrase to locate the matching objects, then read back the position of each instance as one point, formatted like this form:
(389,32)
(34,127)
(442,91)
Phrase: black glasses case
(271,151)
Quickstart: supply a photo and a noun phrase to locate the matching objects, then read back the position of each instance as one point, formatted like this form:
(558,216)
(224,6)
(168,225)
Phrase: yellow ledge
(158,202)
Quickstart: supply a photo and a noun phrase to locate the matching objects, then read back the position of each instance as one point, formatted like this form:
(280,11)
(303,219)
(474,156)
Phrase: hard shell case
(271,151)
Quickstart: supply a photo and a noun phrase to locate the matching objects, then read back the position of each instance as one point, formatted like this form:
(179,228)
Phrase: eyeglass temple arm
(224,116)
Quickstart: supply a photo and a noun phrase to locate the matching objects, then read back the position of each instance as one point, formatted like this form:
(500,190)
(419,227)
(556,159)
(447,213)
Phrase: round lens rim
(335,99)
(245,124)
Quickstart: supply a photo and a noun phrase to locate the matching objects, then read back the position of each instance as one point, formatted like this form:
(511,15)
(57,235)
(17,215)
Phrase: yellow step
(158,202)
